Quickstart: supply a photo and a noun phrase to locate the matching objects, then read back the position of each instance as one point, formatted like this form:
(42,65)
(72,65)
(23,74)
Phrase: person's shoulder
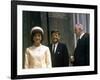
(62,44)
(86,34)
(44,47)
(29,48)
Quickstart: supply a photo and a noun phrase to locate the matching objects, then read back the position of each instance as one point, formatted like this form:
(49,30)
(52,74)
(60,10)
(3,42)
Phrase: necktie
(53,50)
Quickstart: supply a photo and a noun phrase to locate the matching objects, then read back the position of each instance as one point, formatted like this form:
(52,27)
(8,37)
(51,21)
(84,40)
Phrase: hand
(72,59)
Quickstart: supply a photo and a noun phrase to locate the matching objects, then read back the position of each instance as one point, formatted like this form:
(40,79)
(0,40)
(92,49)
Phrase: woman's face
(37,38)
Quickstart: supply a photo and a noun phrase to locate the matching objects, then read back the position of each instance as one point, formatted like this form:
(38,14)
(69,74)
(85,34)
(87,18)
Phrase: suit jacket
(81,53)
(60,58)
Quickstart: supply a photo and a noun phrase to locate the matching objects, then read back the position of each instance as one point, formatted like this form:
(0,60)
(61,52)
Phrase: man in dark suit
(81,53)
(59,52)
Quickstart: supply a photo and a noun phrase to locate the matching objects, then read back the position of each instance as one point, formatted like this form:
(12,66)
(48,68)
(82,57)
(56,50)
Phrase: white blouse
(38,57)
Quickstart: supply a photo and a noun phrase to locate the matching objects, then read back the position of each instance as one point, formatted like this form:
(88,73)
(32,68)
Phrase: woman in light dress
(37,55)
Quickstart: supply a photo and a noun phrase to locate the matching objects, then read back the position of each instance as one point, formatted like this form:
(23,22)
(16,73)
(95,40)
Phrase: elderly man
(81,53)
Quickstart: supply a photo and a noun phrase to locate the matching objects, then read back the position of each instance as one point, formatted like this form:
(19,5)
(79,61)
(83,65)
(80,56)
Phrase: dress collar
(37,46)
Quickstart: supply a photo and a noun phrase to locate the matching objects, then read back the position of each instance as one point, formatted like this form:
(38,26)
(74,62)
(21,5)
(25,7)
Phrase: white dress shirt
(56,44)
(37,57)
(81,35)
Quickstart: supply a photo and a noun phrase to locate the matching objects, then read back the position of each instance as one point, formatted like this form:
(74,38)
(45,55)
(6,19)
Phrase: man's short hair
(79,26)
(55,31)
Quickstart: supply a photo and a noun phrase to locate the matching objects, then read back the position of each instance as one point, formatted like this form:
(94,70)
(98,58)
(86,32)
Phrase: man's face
(77,31)
(55,37)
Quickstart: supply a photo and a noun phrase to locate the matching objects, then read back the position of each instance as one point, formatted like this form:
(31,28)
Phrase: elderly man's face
(77,31)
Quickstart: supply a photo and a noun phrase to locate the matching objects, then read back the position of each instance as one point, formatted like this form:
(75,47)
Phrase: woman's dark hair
(34,32)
